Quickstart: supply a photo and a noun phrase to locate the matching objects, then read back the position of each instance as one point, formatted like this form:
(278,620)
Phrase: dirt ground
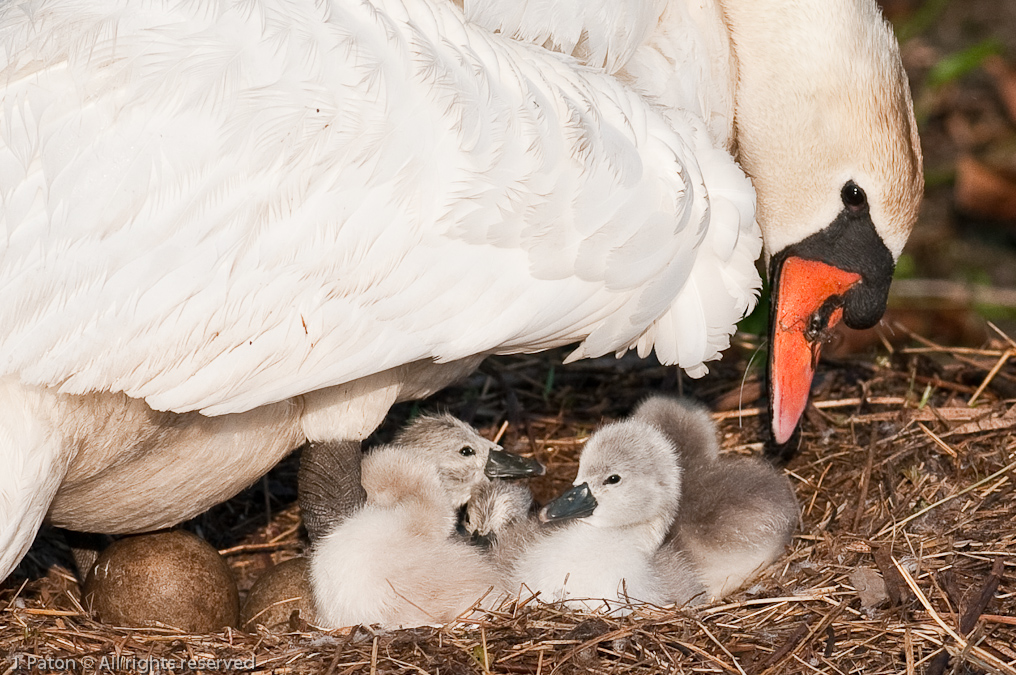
(905,559)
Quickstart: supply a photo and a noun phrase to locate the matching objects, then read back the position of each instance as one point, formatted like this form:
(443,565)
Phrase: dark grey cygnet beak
(501,464)
(578,502)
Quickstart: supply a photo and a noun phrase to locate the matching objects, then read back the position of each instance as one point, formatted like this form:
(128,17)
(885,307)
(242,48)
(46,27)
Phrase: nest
(904,561)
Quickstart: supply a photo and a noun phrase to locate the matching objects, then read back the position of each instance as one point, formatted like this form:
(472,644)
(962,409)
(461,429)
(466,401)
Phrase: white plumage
(215,206)
(603,33)
(289,214)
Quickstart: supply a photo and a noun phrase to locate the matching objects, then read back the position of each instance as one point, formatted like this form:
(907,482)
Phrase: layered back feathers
(217,205)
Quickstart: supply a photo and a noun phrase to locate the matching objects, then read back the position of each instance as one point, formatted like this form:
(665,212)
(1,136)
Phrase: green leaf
(906,267)
(922,19)
(548,384)
(958,64)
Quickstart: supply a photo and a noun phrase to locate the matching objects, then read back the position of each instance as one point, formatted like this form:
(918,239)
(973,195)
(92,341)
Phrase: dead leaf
(984,191)
(870,587)
(1005,81)
(989,423)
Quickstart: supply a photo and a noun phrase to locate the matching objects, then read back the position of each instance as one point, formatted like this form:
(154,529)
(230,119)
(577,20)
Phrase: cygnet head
(398,477)
(463,458)
(628,476)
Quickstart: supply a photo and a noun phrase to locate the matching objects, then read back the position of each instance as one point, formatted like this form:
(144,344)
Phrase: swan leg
(35,461)
(329,484)
(85,548)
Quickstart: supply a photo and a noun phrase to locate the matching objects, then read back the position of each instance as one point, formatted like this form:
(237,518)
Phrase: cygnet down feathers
(384,546)
(736,514)
(606,552)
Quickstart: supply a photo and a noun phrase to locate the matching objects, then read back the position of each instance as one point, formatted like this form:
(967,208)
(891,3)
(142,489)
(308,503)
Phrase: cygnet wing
(677,579)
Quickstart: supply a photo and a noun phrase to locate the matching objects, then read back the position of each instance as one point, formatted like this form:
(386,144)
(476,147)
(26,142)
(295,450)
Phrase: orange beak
(807,303)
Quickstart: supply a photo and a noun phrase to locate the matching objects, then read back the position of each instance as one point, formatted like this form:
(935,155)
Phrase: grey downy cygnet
(736,514)
(383,525)
(499,517)
(606,551)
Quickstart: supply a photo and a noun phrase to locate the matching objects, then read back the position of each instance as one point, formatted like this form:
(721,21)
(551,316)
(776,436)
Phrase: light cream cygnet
(385,549)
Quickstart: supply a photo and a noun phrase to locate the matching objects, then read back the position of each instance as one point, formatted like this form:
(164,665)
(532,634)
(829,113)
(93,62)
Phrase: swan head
(628,476)
(825,129)
(463,458)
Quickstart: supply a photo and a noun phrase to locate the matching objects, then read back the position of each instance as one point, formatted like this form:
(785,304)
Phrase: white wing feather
(218,205)
(600,33)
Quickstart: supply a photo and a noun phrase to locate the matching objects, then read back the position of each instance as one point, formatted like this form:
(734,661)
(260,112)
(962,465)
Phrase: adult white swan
(230,226)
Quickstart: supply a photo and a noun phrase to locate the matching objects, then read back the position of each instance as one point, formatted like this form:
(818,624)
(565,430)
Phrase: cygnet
(736,514)
(385,551)
(330,485)
(605,554)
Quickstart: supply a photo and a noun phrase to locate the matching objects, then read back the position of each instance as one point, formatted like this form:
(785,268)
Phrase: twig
(977,606)
(821,405)
(863,489)
(720,645)
(815,595)
(938,441)
(500,432)
(990,376)
(1002,334)
(786,648)
(908,643)
(251,548)
(918,514)
(986,656)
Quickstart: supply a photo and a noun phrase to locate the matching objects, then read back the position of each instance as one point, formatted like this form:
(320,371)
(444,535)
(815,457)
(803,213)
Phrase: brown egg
(277,594)
(172,578)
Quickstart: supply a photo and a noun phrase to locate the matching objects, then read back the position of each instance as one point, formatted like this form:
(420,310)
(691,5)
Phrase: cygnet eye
(853,196)
(467,451)
(612,479)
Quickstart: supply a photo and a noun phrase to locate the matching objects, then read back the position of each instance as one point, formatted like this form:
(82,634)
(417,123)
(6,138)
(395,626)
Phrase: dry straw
(897,476)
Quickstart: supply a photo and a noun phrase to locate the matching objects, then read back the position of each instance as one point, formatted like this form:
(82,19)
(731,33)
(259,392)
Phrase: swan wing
(600,33)
(217,205)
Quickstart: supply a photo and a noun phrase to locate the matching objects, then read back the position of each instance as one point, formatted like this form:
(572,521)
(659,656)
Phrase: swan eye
(467,451)
(853,196)
(612,479)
